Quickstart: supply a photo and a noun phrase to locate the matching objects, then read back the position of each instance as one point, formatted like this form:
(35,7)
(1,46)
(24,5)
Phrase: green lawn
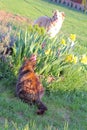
(75,22)
(67,107)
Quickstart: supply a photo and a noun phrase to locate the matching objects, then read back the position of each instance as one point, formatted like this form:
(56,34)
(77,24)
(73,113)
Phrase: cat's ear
(25,58)
(33,57)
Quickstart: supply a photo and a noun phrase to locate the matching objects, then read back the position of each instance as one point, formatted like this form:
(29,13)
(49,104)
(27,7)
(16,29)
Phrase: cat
(52,25)
(29,87)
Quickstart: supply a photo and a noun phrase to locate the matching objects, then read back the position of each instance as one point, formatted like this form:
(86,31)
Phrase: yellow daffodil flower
(37,29)
(42,30)
(75,59)
(84,59)
(63,42)
(73,37)
(71,58)
(47,52)
(30,28)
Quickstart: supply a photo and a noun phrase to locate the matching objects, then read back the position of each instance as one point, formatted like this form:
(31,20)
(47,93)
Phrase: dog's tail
(41,107)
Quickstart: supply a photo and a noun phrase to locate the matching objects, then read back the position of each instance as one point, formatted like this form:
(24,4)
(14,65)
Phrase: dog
(52,25)
(28,88)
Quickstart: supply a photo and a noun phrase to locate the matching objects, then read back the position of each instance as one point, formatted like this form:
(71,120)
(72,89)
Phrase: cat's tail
(41,107)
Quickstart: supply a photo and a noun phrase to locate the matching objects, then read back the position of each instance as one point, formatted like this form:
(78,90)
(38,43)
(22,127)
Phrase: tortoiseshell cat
(28,87)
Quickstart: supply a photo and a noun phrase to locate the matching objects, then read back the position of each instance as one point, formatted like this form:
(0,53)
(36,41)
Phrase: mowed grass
(75,22)
(67,107)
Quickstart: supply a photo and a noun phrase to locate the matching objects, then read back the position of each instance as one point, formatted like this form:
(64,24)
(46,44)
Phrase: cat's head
(30,63)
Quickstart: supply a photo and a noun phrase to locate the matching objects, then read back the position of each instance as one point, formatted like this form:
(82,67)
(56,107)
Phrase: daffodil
(42,30)
(37,29)
(30,28)
(69,58)
(84,59)
(73,37)
(47,52)
(63,42)
(75,59)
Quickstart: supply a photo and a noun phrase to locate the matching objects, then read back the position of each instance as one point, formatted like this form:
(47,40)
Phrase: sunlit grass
(67,106)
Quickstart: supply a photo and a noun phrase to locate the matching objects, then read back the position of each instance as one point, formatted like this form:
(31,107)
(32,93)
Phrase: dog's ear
(55,12)
(63,14)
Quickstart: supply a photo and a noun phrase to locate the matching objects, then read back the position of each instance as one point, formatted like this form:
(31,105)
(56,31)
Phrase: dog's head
(58,16)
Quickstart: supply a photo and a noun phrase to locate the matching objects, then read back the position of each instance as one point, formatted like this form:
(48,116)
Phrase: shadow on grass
(7,78)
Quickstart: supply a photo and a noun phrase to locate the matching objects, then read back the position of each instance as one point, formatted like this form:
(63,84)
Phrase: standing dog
(28,87)
(52,25)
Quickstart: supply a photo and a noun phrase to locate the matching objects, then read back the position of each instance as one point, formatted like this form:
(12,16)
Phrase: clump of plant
(53,55)
(32,125)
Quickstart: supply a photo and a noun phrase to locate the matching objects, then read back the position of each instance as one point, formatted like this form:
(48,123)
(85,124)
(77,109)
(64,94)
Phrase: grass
(75,22)
(67,106)
(63,107)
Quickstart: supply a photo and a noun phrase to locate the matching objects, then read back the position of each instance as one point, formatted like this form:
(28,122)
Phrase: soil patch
(6,17)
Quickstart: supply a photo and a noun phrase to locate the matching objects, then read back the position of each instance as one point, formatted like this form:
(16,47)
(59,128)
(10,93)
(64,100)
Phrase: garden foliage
(53,55)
